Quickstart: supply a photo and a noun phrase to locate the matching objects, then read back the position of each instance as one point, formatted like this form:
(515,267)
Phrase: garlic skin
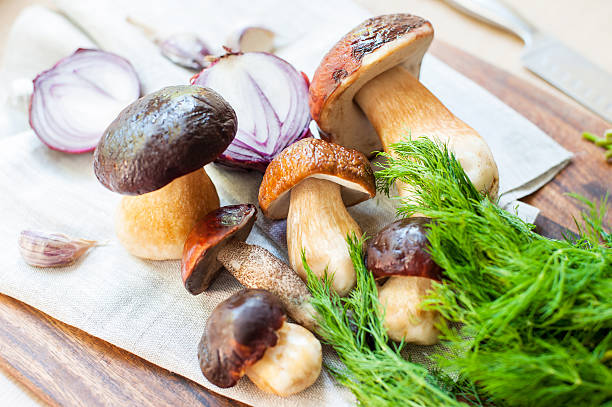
(41,249)
(291,366)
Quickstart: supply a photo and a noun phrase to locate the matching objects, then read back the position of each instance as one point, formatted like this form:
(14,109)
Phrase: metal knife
(548,58)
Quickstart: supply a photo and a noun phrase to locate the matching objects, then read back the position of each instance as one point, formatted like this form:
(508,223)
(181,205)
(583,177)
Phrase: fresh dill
(536,313)
(374,369)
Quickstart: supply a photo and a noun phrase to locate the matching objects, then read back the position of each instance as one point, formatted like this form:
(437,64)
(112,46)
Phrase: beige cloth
(139,305)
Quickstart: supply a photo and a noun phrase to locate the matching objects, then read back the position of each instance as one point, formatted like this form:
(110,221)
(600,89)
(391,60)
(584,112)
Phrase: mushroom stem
(405,320)
(318,223)
(399,106)
(155,225)
(290,366)
(255,267)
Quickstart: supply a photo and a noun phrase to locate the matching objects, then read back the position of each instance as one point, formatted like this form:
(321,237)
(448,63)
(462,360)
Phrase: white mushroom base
(404,318)
(291,366)
(155,225)
(319,223)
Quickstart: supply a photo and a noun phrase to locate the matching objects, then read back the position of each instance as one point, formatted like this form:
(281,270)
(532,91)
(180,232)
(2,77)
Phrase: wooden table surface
(60,365)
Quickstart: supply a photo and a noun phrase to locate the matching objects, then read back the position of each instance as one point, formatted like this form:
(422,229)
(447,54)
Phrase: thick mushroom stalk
(311,182)
(318,223)
(290,366)
(248,334)
(365,94)
(398,105)
(155,150)
(155,225)
(218,241)
(399,253)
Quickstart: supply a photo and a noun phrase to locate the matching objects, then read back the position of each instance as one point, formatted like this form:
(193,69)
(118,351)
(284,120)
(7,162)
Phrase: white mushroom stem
(319,223)
(155,225)
(399,106)
(291,366)
(255,267)
(405,320)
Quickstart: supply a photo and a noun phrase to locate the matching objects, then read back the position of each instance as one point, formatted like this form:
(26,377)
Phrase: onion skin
(39,126)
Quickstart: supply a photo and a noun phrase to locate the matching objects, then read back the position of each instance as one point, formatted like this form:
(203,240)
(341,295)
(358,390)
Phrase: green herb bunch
(536,313)
(374,369)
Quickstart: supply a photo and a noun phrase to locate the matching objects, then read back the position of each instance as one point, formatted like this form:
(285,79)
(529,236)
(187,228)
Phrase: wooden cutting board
(66,366)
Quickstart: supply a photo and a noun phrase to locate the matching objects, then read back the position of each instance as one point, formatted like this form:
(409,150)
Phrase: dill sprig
(374,369)
(536,313)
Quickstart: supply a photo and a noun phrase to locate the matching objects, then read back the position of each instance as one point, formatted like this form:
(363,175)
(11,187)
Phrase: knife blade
(548,58)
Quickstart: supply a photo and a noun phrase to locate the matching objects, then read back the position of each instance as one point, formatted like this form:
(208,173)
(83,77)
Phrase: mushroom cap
(401,249)
(237,334)
(199,264)
(375,46)
(315,158)
(162,136)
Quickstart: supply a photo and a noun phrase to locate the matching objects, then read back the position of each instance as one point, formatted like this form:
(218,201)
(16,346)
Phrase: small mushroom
(309,183)
(366,93)
(155,149)
(399,252)
(218,241)
(248,334)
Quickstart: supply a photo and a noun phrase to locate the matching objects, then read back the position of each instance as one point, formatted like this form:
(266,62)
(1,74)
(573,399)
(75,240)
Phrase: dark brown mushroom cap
(162,136)
(374,46)
(199,264)
(311,157)
(401,249)
(237,334)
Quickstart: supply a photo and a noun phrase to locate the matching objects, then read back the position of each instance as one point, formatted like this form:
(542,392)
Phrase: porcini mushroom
(248,334)
(377,65)
(155,149)
(399,253)
(310,183)
(218,241)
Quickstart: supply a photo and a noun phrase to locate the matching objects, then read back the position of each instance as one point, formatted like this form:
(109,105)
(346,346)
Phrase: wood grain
(65,366)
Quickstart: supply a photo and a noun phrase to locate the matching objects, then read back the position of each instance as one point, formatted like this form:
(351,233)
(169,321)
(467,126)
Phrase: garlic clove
(41,249)
(251,39)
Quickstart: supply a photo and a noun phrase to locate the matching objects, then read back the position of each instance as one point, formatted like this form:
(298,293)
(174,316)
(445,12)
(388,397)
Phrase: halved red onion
(74,102)
(270,98)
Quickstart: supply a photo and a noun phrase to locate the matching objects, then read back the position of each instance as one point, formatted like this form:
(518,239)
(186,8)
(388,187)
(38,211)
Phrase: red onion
(74,102)
(270,99)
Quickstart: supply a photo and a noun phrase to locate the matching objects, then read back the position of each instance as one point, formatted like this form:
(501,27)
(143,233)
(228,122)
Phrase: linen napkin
(140,305)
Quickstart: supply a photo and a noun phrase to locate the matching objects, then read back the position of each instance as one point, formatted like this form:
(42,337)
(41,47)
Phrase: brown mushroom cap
(237,334)
(199,265)
(318,159)
(401,249)
(162,136)
(376,45)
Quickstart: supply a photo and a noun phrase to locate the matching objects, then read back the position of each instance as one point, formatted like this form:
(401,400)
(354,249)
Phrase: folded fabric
(140,305)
